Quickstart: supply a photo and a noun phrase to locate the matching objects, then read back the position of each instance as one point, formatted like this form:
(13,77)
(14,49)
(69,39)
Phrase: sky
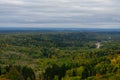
(60,13)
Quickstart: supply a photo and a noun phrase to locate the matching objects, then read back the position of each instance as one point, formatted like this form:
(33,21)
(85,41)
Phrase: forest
(60,55)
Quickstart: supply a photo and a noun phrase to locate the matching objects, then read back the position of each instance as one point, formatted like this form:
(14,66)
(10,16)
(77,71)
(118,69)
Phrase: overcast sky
(60,13)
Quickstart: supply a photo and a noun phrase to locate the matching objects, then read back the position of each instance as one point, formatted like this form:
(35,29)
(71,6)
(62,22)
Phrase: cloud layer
(60,13)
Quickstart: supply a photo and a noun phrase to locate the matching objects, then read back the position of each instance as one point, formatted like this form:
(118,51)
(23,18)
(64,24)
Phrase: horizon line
(62,27)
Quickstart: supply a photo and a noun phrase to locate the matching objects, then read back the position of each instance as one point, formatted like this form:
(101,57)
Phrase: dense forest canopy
(60,56)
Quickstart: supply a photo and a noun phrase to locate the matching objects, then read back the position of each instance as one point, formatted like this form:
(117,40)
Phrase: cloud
(59,13)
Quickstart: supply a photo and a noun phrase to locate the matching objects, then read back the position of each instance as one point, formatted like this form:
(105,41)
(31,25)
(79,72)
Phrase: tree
(28,73)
